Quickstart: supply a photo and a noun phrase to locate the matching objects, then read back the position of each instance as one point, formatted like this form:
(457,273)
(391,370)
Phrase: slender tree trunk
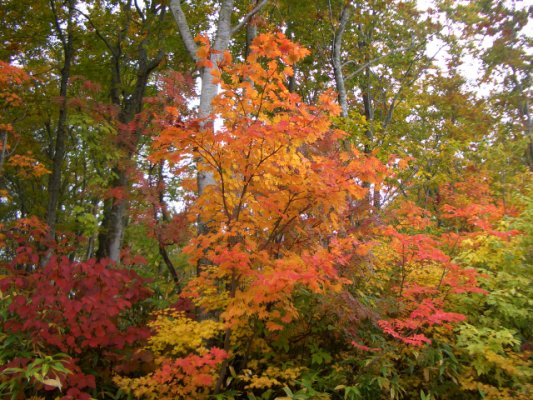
(209,91)
(114,221)
(337,60)
(3,156)
(369,111)
(166,219)
(251,33)
(54,181)
(528,122)
(3,150)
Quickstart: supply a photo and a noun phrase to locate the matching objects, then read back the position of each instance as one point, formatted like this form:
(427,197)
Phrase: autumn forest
(266,199)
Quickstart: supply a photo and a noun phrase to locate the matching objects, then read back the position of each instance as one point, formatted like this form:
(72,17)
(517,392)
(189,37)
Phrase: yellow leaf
(53,382)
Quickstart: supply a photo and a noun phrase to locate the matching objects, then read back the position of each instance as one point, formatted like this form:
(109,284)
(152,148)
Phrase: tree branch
(57,26)
(183,26)
(112,49)
(369,63)
(336,58)
(139,11)
(248,16)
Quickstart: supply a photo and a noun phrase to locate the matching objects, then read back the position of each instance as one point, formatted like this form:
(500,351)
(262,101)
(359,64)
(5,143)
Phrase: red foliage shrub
(73,308)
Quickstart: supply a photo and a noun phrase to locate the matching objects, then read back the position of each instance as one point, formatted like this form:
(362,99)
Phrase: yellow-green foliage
(271,377)
(495,365)
(507,273)
(176,335)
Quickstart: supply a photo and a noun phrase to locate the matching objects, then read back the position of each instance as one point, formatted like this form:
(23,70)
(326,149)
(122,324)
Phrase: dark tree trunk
(116,209)
(54,181)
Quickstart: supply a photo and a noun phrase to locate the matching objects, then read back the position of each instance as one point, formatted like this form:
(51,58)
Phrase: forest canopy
(266,199)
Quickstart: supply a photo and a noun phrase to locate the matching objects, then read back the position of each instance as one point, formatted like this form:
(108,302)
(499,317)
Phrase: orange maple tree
(283,186)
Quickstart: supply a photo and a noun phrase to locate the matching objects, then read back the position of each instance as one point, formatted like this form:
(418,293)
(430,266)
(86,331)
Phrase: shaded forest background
(265,199)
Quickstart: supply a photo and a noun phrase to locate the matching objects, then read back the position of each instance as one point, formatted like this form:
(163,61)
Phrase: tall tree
(142,50)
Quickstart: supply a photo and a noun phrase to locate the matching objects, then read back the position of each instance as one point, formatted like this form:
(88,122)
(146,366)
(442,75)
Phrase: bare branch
(375,60)
(112,49)
(156,61)
(406,83)
(183,26)
(139,11)
(248,16)
(57,25)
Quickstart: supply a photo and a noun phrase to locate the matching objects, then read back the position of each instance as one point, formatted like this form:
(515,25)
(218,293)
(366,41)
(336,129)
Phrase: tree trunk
(251,33)
(54,181)
(528,122)
(3,150)
(165,218)
(115,212)
(337,60)
(114,221)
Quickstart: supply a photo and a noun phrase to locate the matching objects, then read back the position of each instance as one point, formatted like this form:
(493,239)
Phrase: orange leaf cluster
(283,187)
